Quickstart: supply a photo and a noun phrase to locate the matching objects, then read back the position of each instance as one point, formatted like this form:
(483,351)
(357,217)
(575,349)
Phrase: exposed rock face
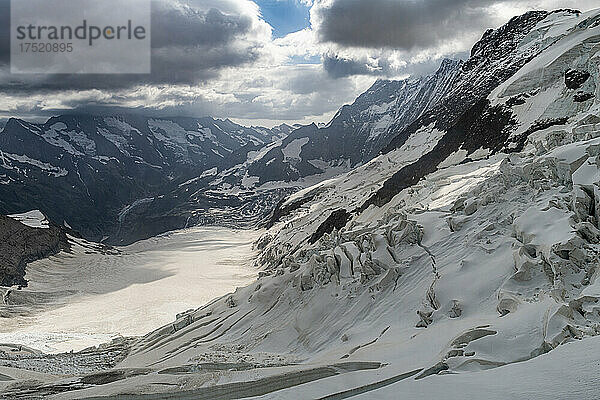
(574,79)
(116,167)
(21,244)
(357,133)
(337,220)
(581,97)
(493,59)
(483,123)
(282,209)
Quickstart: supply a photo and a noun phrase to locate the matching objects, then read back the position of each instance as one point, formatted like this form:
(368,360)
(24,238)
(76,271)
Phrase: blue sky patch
(285,16)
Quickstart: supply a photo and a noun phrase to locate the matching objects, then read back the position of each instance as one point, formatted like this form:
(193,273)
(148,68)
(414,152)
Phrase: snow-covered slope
(496,258)
(470,246)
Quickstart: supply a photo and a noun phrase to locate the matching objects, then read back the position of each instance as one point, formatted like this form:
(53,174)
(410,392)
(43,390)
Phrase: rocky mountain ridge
(109,165)
(355,135)
(22,243)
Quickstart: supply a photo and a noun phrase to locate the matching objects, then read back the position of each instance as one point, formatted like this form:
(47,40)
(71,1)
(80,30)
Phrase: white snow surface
(131,291)
(34,219)
(292,151)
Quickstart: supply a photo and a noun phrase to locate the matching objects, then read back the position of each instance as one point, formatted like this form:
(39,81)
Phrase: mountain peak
(14,123)
(496,43)
(449,63)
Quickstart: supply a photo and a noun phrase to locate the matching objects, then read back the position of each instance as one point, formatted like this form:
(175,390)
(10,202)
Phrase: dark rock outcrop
(337,220)
(581,97)
(574,79)
(482,125)
(21,244)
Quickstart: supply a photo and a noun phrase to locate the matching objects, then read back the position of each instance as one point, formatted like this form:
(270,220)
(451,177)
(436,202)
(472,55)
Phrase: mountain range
(88,172)
(133,177)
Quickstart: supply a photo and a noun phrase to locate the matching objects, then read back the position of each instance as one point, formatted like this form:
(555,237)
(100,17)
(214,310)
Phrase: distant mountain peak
(104,163)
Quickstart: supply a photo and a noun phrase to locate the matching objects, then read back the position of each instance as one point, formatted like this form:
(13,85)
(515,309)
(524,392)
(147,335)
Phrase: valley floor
(82,299)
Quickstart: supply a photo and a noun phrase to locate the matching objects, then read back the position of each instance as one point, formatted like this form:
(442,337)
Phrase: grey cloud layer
(189,46)
(187,26)
(416,24)
(411,27)
(339,67)
(216,57)
(401,24)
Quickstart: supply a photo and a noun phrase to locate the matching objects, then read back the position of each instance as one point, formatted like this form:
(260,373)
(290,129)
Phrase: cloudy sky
(268,61)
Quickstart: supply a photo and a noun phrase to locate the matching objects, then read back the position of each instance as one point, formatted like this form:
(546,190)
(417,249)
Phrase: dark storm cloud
(190,27)
(189,46)
(339,67)
(401,24)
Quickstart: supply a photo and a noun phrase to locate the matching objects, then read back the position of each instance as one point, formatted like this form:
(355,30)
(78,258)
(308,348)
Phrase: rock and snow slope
(355,135)
(26,238)
(113,167)
(473,244)
(256,181)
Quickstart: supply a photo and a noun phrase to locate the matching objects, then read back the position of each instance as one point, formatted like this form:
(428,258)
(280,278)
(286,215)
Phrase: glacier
(460,262)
